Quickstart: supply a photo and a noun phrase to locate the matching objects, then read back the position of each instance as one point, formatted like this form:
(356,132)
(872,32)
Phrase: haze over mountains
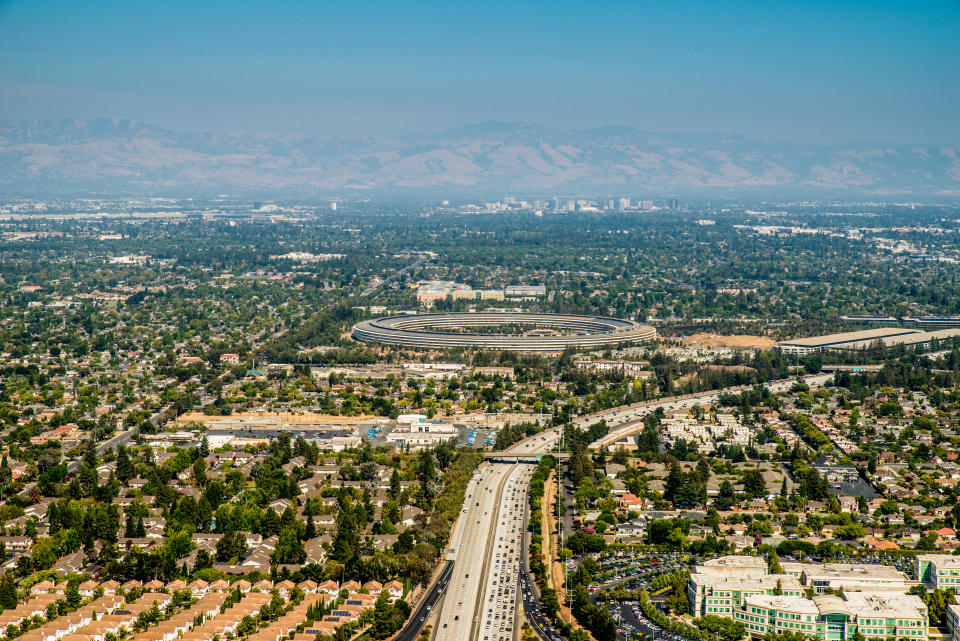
(124,157)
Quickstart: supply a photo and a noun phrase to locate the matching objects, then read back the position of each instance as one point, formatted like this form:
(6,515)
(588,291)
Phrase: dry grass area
(548,527)
(737,340)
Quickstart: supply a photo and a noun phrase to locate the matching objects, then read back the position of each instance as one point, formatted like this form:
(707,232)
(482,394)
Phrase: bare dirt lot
(738,340)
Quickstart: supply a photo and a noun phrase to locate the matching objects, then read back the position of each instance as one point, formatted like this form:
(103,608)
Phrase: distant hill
(125,157)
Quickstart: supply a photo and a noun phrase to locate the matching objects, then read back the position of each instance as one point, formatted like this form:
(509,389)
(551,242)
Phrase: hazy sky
(835,70)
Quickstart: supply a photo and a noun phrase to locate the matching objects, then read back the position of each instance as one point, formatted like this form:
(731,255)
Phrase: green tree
(8,593)
(753,484)
(125,469)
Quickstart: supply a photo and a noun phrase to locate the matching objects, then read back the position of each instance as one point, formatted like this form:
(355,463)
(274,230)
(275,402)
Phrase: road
(629,419)
(119,438)
(626,421)
(499,604)
(406,270)
(486,547)
(471,544)
(427,603)
(528,589)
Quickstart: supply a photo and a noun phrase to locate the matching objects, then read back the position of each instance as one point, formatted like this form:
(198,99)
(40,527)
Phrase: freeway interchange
(489,589)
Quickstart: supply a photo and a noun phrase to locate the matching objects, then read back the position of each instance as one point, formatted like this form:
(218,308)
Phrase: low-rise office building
(953,621)
(844,340)
(834,618)
(938,571)
(724,586)
(718,586)
(849,576)
(418,435)
(933,322)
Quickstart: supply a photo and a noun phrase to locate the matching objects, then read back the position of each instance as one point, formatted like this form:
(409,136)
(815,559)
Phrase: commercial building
(627,367)
(953,621)
(435,290)
(551,333)
(865,318)
(844,340)
(875,602)
(515,291)
(889,336)
(849,576)
(419,434)
(430,292)
(834,618)
(719,586)
(938,571)
(932,322)
(491,294)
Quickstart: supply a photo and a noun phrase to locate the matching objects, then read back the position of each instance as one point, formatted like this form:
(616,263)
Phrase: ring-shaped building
(549,333)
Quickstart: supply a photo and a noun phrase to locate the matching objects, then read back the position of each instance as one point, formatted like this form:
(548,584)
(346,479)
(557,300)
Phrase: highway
(416,622)
(499,603)
(472,544)
(629,419)
(489,587)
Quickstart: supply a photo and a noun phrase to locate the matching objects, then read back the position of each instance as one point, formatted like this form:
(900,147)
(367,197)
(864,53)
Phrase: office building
(835,618)
(888,336)
(938,571)
(932,322)
(875,602)
(873,320)
(953,621)
(419,435)
(849,576)
(719,586)
(844,340)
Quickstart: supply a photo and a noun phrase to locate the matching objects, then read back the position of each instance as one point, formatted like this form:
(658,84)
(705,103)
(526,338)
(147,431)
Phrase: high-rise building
(623,203)
(333,206)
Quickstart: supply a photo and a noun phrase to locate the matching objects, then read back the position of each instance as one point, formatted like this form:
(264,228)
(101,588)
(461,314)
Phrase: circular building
(520,332)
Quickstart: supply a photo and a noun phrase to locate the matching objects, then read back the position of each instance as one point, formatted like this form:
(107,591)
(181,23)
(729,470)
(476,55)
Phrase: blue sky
(817,71)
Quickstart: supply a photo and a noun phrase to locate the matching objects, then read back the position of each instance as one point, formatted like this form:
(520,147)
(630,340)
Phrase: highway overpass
(514,457)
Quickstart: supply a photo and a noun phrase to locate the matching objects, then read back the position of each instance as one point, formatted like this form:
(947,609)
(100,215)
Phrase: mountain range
(118,157)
